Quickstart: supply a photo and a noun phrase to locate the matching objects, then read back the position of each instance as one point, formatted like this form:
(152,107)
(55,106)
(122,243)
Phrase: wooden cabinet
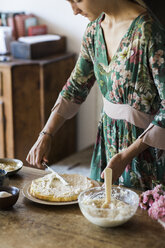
(28,91)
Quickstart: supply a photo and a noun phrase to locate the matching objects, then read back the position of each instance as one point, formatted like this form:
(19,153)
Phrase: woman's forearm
(54,122)
(119,161)
(134,149)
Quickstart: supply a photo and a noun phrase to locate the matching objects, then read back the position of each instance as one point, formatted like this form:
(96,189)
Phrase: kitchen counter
(32,225)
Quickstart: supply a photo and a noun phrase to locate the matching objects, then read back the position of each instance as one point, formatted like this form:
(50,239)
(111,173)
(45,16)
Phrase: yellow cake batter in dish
(9,166)
(50,188)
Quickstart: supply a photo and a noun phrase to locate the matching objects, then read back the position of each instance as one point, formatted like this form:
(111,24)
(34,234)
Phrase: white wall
(57,14)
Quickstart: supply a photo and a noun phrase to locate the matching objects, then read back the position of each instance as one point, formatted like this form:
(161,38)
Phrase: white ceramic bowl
(107,217)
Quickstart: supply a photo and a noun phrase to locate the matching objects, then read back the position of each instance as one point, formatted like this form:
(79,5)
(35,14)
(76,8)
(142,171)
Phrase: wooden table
(32,225)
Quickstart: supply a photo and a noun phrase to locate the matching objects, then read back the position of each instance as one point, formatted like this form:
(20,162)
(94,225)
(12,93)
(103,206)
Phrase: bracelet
(46,133)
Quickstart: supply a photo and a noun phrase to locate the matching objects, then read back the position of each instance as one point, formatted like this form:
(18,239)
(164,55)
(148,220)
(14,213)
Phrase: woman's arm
(72,95)
(122,159)
(40,150)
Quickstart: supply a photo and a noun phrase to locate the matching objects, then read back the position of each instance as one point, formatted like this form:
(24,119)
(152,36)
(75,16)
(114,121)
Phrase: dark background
(158,8)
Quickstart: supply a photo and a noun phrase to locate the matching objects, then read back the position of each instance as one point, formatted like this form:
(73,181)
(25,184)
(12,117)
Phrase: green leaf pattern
(134,76)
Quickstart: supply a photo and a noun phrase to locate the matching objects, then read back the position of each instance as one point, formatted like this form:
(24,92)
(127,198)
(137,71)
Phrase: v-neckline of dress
(108,63)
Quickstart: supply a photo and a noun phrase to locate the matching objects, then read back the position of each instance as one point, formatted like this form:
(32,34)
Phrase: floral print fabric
(134,76)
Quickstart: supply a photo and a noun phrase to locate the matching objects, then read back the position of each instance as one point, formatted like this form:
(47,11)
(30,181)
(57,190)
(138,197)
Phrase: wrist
(45,133)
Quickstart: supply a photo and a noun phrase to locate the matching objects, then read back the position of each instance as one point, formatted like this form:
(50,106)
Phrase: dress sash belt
(128,113)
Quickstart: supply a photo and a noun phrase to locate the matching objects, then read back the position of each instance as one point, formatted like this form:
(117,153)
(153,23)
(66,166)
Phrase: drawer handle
(2,130)
(1,84)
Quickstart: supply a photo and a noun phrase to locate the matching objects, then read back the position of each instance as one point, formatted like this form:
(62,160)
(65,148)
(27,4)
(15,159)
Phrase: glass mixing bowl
(90,203)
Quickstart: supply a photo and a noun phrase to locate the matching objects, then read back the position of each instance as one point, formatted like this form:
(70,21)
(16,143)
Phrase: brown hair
(140,2)
(155,7)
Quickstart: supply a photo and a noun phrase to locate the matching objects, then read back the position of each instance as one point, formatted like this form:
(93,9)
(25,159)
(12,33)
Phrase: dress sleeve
(65,108)
(81,80)
(154,135)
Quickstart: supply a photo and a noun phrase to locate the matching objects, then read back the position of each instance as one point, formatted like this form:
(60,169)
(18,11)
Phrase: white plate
(27,194)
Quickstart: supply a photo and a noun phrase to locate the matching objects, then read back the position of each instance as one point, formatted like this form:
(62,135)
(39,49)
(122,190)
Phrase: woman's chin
(92,18)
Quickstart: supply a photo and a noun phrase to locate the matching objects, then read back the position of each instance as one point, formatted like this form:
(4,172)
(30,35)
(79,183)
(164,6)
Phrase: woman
(123,50)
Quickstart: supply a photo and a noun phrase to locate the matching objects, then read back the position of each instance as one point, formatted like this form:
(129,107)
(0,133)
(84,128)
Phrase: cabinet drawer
(28,91)
(2,130)
(1,84)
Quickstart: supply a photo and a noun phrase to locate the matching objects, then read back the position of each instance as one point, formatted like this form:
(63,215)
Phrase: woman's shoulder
(151,26)
(148,28)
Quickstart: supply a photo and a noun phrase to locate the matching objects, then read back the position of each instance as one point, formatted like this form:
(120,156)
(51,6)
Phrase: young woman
(123,49)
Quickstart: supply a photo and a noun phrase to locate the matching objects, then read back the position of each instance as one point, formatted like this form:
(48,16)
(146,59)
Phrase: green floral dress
(135,76)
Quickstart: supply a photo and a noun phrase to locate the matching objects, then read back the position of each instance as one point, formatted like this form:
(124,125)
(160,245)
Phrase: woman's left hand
(117,163)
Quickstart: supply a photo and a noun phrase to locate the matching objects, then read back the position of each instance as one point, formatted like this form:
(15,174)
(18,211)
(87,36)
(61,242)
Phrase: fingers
(39,152)
(102,175)
(35,158)
(45,159)
(30,158)
(108,166)
(38,161)
(117,164)
(114,177)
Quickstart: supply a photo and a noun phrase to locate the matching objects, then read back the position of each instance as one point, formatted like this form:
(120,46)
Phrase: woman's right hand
(39,151)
